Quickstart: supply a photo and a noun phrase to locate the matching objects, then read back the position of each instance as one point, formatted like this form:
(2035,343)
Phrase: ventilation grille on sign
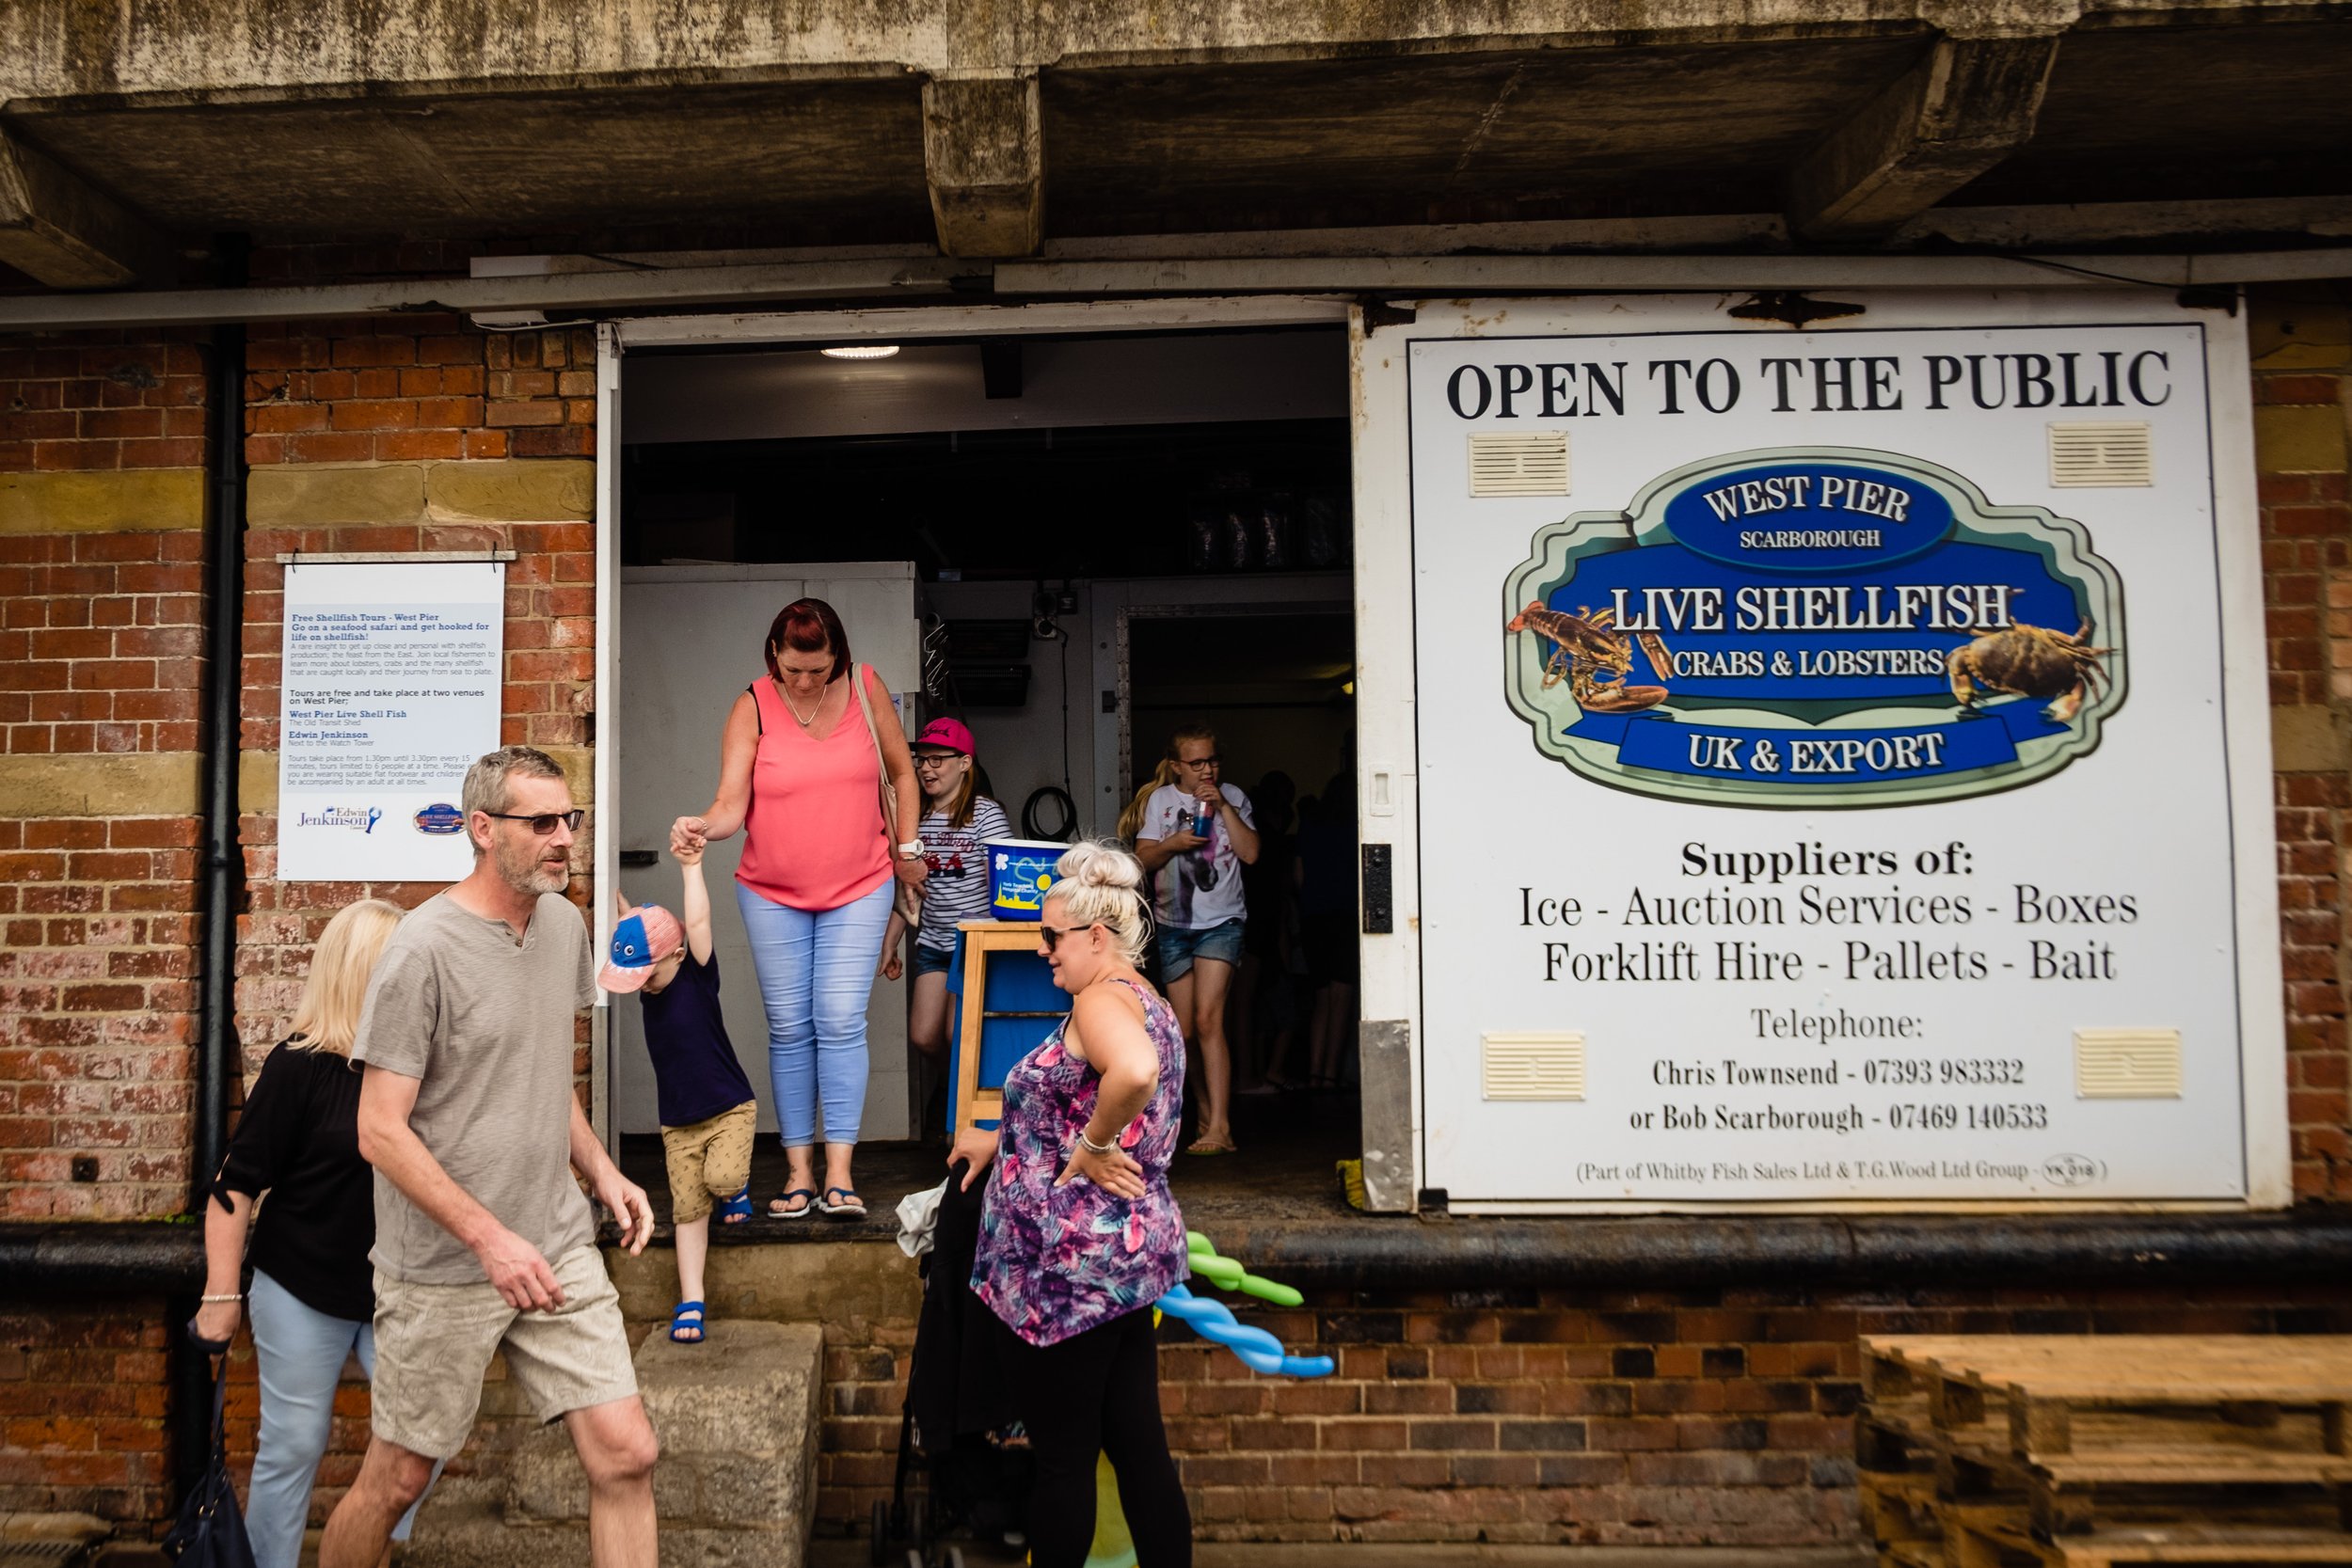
(1535,463)
(1532,1066)
(2097,453)
(2127,1064)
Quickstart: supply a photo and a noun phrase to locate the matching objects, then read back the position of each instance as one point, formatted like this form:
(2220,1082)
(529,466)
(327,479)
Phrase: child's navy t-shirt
(694,1068)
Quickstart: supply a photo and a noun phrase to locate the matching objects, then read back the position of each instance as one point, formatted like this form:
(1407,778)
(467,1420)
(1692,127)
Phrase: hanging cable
(1033,826)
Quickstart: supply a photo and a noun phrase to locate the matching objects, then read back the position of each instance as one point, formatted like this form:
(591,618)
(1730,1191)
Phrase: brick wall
(1715,1418)
(352,431)
(350,426)
(81,1407)
(2302,385)
(101,667)
(1553,1417)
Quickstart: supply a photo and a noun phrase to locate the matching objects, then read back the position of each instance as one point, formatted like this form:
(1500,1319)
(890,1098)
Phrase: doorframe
(615,339)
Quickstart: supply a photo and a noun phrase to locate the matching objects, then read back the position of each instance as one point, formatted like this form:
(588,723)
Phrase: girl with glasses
(958,823)
(1195,833)
(1079,1234)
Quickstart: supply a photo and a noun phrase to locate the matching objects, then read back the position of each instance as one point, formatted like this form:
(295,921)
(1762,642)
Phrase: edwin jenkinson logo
(362,818)
(1814,627)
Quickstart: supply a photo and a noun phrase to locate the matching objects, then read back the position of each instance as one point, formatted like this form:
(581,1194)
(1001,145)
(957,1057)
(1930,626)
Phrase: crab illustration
(2030,661)
(1592,656)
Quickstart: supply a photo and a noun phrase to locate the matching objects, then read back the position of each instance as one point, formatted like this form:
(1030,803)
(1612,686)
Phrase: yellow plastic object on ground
(1113,1546)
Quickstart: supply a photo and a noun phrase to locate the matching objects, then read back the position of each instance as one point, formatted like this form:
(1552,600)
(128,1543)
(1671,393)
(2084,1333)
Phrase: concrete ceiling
(126,132)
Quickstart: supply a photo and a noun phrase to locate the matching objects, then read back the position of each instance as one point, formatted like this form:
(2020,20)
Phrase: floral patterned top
(1056,1262)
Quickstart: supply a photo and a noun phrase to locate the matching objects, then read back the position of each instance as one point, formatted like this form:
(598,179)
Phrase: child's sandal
(736,1210)
(686,1323)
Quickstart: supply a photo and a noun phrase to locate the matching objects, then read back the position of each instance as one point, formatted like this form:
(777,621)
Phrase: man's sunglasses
(543,823)
(1053,934)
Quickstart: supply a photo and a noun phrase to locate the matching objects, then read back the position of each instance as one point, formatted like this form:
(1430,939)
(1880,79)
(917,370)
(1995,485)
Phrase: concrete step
(734,1486)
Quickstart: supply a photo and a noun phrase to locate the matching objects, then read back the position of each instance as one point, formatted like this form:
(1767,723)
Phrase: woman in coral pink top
(800,773)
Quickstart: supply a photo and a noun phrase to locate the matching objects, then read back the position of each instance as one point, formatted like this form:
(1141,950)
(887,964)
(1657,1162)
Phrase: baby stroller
(962,1466)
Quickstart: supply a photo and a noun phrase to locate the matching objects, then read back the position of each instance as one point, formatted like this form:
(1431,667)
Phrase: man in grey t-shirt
(483,1239)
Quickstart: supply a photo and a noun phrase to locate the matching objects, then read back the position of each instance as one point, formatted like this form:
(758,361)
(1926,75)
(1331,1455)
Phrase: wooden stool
(974,1101)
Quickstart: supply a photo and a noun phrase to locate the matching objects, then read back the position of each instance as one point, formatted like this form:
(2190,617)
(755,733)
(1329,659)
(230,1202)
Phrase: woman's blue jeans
(300,1353)
(815,970)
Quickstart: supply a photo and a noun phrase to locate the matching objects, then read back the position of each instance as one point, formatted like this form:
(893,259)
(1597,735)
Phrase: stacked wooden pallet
(2072,1451)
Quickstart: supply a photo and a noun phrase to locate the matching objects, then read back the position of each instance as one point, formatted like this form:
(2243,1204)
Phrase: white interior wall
(689,640)
(1021,747)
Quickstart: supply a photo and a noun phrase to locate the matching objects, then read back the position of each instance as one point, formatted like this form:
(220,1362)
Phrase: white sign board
(392,687)
(1843,759)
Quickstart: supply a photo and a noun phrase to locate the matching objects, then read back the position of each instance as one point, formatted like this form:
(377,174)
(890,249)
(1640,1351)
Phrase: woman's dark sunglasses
(1053,934)
(543,823)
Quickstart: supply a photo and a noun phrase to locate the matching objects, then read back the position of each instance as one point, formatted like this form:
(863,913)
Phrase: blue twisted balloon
(1259,1350)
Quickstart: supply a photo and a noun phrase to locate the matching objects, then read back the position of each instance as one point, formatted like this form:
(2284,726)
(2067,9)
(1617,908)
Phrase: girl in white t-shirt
(1194,833)
(955,823)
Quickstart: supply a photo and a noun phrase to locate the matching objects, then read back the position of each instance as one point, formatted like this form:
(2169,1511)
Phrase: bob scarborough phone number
(1972,1072)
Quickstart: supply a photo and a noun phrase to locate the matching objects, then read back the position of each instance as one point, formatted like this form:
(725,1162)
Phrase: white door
(689,640)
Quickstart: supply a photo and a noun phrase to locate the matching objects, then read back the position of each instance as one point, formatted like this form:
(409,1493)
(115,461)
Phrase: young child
(708,1114)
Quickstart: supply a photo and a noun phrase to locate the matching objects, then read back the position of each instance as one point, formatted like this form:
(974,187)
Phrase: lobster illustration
(1592,656)
(2030,661)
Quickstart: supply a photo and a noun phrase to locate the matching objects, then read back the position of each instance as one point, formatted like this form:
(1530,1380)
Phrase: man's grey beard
(522,870)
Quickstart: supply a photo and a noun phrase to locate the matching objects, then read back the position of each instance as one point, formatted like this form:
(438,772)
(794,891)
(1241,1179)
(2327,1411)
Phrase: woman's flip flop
(736,1210)
(686,1323)
(780,1207)
(851,1207)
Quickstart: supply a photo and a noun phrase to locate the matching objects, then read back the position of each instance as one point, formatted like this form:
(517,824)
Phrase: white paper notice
(391,688)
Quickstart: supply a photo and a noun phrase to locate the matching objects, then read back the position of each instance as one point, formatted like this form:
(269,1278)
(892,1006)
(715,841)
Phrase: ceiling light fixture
(860,351)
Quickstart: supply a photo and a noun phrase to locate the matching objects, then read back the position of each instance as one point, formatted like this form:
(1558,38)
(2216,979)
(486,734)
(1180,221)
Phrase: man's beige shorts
(708,1159)
(432,1343)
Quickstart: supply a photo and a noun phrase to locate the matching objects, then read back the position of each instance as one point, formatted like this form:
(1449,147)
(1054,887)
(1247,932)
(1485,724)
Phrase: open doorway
(1276,686)
(1045,509)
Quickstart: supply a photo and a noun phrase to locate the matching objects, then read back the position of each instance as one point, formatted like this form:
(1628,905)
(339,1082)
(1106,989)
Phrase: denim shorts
(1179,948)
(930,960)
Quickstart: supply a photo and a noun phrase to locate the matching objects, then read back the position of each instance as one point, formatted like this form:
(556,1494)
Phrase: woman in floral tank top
(1078,1233)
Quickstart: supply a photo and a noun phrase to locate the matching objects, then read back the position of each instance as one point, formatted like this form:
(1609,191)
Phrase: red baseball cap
(950,734)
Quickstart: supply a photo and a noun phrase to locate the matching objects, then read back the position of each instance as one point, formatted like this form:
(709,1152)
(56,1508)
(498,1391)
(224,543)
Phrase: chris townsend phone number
(1997,1118)
(1925,1070)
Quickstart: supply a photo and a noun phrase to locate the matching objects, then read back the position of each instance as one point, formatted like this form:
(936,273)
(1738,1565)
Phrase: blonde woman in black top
(314,1289)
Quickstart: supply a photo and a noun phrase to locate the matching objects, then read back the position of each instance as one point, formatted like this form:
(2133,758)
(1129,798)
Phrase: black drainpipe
(217,1053)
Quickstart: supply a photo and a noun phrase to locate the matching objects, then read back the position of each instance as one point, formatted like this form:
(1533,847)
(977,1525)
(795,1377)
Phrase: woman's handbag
(907,900)
(210,1532)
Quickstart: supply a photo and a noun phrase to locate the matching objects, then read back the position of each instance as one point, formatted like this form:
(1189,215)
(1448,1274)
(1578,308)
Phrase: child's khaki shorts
(708,1159)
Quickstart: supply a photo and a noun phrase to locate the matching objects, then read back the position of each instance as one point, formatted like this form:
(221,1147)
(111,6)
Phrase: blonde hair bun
(1100,883)
(1089,863)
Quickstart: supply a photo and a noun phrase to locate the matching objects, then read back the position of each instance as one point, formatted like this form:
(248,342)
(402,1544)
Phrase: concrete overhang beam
(1967,104)
(983,155)
(59,230)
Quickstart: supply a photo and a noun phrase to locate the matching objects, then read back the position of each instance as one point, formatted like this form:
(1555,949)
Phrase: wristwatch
(912,850)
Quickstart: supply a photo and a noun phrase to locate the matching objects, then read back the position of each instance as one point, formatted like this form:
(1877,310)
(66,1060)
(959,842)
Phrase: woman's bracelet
(1100,1151)
(233,1295)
